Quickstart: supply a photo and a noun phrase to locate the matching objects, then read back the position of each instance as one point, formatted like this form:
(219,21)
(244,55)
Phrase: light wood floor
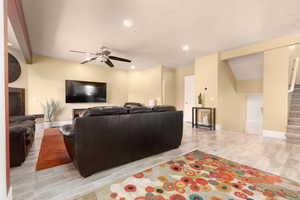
(64,182)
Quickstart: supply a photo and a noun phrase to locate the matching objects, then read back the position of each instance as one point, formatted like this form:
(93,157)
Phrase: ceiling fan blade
(75,51)
(109,63)
(85,52)
(89,60)
(119,59)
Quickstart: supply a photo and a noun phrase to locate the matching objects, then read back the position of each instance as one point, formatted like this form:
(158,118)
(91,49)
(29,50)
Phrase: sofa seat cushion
(163,108)
(66,129)
(139,110)
(105,110)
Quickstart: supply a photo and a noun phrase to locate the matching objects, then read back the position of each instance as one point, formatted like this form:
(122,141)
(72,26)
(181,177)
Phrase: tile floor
(65,183)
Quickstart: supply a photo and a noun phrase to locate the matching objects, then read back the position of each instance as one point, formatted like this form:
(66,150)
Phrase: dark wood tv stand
(78,111)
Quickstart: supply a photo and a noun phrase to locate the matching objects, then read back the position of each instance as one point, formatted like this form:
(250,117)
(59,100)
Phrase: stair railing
(294,70)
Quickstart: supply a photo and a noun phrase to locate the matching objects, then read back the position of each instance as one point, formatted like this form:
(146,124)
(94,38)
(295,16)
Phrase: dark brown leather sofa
(106,137)
(22,132)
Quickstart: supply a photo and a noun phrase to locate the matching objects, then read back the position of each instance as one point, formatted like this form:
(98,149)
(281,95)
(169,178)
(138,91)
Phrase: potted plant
(51,109)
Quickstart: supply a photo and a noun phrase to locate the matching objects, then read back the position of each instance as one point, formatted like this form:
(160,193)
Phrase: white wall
(3,189)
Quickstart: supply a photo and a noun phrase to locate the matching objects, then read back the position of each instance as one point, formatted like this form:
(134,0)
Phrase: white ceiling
(247,67)
(160,27)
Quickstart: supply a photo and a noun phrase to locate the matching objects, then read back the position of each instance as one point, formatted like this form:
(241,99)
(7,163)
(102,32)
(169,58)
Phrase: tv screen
(84,91)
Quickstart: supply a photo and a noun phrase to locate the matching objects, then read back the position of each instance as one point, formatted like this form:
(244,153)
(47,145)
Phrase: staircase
(293,130)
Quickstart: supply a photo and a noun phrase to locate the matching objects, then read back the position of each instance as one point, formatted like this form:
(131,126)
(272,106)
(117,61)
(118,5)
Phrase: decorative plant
(51,109)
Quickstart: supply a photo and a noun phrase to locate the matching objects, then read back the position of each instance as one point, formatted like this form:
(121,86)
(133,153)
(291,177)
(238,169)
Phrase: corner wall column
(275,92)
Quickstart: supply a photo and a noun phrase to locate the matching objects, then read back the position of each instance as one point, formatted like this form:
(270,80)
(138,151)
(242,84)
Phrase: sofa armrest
(17,145)
(68,133)
(67,130)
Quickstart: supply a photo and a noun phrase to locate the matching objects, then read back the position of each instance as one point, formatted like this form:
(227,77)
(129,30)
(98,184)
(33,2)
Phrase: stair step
(294,121)
(296,96)
(294,114)
(293,129)
(294,103)
(293,135)
(295,107)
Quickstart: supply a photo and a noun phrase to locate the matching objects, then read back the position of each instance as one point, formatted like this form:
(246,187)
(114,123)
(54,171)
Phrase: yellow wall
(275,87)
(217,77)
(181,72)
(206,76)
(145,85)
(250,86)
(46,80)
(231,112)
(169,86)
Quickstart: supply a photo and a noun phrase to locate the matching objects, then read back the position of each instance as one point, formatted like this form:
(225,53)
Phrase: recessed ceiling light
(9,44)
(132,67)
(292,47)
(127,23)
(185,48)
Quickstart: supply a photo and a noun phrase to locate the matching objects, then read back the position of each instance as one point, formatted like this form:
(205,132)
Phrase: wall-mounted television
(85,91)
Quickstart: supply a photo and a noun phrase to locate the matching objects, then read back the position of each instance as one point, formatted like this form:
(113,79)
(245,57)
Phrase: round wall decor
(14,68)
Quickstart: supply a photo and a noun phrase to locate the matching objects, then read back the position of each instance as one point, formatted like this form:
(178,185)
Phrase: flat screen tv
(84,92)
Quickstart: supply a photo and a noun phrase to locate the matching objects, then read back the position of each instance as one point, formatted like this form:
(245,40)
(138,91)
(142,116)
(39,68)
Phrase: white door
(189,97)
(254,114)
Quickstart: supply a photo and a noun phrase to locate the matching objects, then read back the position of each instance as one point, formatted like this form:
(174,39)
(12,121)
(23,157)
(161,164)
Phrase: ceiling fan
(103,54)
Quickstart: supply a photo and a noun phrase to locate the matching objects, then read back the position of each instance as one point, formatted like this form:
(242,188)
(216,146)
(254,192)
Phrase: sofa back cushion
(133,105)
(163,108)
(105,110)
(143,109)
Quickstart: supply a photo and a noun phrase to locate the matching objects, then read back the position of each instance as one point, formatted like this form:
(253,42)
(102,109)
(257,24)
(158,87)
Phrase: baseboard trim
(218,127)
(274,134)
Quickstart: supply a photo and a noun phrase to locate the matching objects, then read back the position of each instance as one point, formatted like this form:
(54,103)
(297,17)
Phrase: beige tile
(64,182)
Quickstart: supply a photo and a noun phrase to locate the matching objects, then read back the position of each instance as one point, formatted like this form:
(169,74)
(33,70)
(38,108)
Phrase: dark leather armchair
(22,133)
(102,141)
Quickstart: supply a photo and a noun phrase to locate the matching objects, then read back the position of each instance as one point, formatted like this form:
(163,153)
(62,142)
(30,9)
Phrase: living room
(150,100)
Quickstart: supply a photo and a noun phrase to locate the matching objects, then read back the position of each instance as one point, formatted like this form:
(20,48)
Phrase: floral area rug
(199,176)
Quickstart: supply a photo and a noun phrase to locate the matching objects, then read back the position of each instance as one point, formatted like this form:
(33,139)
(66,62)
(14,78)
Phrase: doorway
(254,114)
(189,97)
